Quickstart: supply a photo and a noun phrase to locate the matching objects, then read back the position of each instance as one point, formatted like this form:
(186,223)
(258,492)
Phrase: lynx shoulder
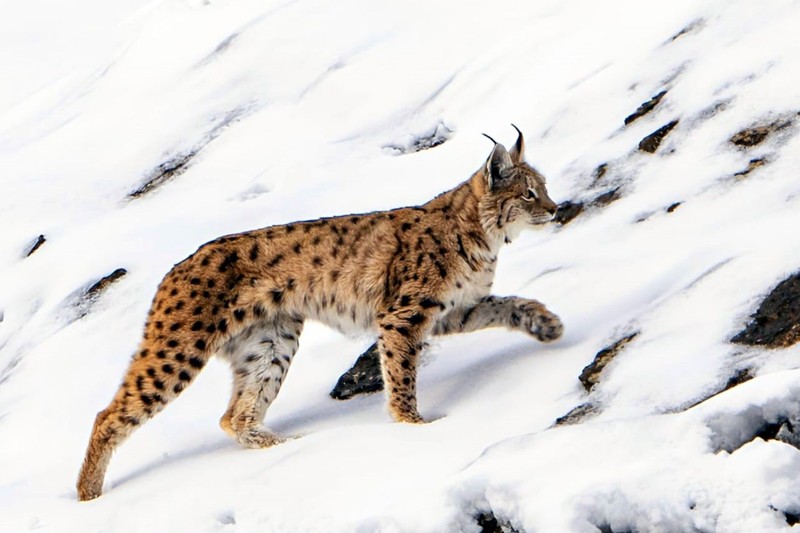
(403,274)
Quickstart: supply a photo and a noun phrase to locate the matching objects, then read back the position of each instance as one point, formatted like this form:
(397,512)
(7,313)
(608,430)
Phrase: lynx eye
(531,196)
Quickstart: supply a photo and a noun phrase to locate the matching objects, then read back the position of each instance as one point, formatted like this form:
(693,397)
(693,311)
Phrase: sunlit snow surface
(296,109)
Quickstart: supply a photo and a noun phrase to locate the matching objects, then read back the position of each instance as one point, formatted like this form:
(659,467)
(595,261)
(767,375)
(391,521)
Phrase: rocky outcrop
(651,143)
(776,323)
(591,373)
(363,378)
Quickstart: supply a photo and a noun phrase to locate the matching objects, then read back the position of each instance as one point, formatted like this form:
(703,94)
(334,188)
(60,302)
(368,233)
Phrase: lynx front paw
(535,319)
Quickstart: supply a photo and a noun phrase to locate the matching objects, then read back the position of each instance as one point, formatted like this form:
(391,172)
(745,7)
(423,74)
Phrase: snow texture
(247,113)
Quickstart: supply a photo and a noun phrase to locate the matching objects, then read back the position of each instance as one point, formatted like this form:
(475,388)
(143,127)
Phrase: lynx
(402,274)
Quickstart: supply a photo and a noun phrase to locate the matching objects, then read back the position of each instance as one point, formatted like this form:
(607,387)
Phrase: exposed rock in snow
(651,143)
(40,240)
(776,323)
(590,376)
(363,378)
(645,108)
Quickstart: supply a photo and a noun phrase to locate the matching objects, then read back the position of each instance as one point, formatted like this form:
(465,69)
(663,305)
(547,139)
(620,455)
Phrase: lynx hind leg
(151,382)
(260,357)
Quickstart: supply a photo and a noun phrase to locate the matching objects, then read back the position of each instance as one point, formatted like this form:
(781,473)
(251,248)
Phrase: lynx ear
(518,151)
(498,166)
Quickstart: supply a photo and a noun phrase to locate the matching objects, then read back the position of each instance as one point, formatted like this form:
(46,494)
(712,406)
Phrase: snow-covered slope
(247,113)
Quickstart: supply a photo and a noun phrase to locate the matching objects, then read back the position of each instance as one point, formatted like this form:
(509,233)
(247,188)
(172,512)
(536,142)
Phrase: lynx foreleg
(512,312)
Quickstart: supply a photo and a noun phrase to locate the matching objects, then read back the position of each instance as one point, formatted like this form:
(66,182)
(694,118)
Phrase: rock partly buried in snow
(577,415)
(435,137)
(755,135)
(164,173)
(363,378)
(567,211)
(651,143)
(776,323)
(488,523)
(40,240)
(751,166)
(742,375)
(88,298)
(645,108)
(591,373)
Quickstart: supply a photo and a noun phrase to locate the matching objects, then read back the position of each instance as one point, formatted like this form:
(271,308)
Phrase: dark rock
(651,143)
(600,171)
(88,298)
(591,373)
(577,415)
(751,166)
(791,518)
(363,378)
(489,523)
(776,323)
(178,164)
(607,197)
(741,376)
(755,135)
(40,240)
(166,171)
(606,528)
(567,211)
(673,207)
(645,108)
(691,28)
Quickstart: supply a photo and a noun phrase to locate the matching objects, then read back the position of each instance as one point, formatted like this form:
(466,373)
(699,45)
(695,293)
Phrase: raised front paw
(535,319)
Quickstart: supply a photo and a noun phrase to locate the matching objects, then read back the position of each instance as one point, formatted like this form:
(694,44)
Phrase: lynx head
(516,196)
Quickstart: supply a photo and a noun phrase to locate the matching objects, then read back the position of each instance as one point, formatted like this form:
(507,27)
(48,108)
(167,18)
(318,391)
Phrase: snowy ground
(286,110)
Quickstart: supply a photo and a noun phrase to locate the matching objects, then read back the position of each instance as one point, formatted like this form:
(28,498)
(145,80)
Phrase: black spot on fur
(405,364)
(290,284)
(403,331)
(406,381)
(175,327)
(289,228)
(197,326)
(177,388)
(180,357)
(197,310)
(158,384)
(195,281)
(200,344)
(275,260)
(161,354)
(172,343)
(196,362)
(406,226)
(416,318)
(183,375)
(151,372)
(173,292)
(146,399)
(211,283)
(167,368)
(254,252)
(239,314)
(222,326)
(317,261)
(297,248)
(277,296)
(428,303)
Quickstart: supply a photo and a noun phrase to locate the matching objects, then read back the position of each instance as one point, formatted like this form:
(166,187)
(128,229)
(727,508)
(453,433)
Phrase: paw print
(535,319)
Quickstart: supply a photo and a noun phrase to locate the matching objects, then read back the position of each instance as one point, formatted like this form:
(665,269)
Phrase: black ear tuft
(518,151)
(498,166)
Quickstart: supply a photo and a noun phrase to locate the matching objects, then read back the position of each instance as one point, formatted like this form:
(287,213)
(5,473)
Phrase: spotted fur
(403,274)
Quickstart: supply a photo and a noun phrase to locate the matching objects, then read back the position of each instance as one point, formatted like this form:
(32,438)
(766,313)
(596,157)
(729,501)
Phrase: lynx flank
(403,274)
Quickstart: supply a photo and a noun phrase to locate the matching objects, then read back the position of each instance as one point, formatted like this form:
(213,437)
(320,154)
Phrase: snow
(290,106)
